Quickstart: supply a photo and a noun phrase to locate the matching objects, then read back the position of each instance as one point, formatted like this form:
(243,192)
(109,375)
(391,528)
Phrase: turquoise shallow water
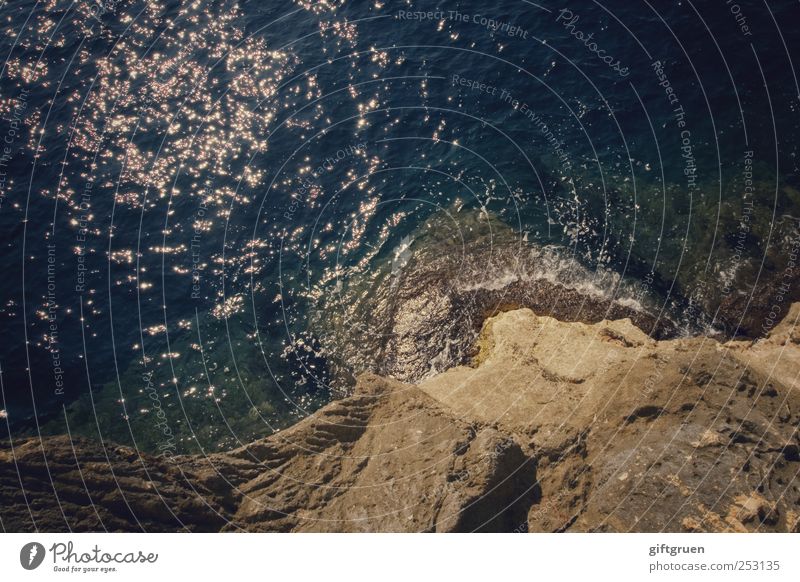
(207,208)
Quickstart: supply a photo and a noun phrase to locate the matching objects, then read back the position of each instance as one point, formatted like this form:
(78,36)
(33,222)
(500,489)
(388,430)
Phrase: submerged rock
(555,426)
(419,311)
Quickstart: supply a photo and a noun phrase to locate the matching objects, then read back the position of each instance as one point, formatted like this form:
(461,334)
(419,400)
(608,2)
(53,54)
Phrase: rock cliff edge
(555,427)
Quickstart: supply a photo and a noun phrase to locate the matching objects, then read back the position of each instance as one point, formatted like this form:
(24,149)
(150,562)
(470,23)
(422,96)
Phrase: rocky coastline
(553,426)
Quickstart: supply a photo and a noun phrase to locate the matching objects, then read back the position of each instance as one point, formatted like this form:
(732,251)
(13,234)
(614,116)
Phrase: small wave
(420,308)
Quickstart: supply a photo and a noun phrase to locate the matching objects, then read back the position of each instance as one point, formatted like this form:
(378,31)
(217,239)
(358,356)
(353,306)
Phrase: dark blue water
(193,194)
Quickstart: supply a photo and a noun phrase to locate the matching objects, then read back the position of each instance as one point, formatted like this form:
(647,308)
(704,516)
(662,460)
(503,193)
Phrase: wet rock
(414,321)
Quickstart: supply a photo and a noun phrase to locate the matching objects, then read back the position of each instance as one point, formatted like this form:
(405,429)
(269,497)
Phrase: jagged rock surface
(556,426)
(634,434)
